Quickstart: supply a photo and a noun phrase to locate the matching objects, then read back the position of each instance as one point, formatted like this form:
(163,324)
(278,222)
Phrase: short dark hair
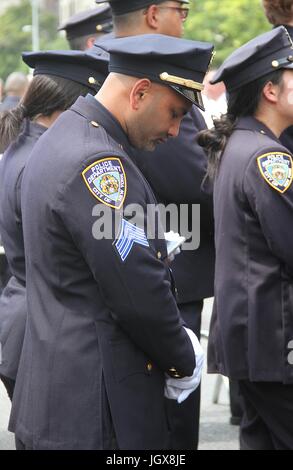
(80,43)
(128,20)
(278,12)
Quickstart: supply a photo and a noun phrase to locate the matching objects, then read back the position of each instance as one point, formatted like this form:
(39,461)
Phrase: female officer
(252,322)
(60,77)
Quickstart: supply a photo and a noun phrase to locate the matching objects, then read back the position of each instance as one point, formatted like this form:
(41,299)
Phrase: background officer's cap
(88,68)
(96,20)
(121,7)
(178,63)
(260,56)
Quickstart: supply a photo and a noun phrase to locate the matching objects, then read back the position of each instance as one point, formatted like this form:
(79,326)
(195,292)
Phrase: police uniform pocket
(127,360)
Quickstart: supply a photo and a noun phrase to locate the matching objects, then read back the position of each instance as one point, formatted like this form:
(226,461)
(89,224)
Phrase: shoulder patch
(276,169)
(106,180)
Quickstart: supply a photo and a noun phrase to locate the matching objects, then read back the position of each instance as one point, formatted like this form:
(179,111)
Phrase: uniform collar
(250,123)
(33,129)
(94,111)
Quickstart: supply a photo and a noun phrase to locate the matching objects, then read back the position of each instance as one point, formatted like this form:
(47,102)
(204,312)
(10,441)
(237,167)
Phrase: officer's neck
(135,31)
(111,93)
(272,120)
(47,121)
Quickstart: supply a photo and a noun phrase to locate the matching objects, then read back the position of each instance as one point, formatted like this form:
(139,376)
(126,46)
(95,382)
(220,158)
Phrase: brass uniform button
(94,124)
(149,367)
(275,64)
(92,80)
(173,372)
(159,255)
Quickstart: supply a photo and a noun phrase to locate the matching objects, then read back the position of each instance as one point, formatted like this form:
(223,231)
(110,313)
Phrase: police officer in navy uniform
(60,77)
(177,179)
(281,13)
(82,29)
(104,339)
(252,321)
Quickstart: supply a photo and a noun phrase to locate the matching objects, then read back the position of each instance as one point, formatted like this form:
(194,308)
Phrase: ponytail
(45,95)
(214,142)
(10,125)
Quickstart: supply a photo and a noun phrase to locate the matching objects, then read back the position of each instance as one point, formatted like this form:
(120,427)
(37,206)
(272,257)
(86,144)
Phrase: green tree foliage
(15,36)
(226,23)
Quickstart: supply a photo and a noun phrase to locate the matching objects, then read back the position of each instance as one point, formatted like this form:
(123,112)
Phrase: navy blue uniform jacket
(252,322)
(100,330)
(13,299)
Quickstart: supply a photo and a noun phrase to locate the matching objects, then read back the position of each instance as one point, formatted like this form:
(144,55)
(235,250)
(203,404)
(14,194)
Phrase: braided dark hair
(242,102)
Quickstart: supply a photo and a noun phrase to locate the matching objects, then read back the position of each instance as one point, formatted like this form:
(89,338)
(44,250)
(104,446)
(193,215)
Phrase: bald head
(148,112)
(16,84)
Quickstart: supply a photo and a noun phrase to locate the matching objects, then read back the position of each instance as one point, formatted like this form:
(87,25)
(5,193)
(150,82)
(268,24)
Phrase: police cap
(96,20)
(178,63)
(88,68)
(260,56)
(121,7)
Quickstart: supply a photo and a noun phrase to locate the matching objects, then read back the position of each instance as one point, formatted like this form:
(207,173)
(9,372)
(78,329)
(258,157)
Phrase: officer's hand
(180,389)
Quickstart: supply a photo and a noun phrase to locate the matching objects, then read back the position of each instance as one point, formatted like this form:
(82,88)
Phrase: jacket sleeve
(131,277)
(272,207)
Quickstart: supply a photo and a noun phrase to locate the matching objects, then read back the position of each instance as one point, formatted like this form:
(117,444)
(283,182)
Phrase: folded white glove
(180,389)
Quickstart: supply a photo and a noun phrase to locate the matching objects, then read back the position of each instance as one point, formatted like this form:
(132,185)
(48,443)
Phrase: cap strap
(181,81)
(281,62)
(103,26)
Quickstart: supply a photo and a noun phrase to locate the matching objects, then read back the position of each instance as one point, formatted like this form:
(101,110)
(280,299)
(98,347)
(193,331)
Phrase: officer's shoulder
(261,143)
(266,145)
(99,144)
(274,164)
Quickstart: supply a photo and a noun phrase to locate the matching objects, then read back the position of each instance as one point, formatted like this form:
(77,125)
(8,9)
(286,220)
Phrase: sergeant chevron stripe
(128,235)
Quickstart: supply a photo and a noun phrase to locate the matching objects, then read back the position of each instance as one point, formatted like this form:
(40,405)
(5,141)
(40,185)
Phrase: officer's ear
(90,41)
(152,17)
(140,91)
(271,92)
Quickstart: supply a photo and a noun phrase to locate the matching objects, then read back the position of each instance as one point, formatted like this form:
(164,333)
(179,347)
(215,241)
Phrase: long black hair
(242,102)
(45,94)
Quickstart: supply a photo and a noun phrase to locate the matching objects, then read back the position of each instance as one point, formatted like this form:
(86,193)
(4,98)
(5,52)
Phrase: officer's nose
(174,129)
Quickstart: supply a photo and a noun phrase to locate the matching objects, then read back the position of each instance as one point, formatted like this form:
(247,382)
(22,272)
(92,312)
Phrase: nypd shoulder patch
(129,234)
(276,169)
(106,180)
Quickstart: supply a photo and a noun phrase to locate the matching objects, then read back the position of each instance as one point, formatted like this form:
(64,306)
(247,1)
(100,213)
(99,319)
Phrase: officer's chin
(149,146)
(154,143)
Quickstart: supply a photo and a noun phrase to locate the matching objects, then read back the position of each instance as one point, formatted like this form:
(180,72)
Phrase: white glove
(180,389)
(172,240)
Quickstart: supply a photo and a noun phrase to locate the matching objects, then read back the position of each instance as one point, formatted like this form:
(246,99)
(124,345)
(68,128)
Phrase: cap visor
(191,95)
(289,66)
